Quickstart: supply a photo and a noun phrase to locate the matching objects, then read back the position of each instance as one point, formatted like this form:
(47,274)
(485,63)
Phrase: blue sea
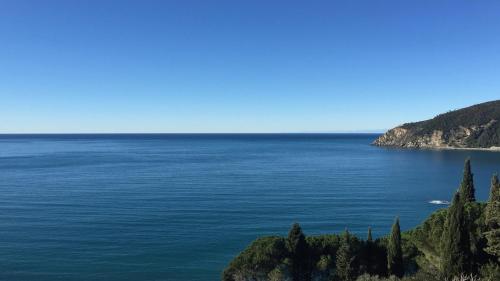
(181,206)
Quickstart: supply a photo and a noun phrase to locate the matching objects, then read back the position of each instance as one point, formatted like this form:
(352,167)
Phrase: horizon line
(190,133)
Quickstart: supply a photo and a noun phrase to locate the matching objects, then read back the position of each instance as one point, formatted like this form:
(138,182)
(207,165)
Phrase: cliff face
(473,127)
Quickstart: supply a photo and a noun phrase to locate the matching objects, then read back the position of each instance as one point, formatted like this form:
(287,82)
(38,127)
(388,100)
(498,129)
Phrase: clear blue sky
(242,65)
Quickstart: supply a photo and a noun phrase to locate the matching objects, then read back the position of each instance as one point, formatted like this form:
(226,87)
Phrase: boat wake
(439,202)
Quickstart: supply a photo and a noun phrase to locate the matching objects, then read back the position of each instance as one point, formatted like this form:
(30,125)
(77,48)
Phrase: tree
(297,246)
(493,219)
(369,255)
(467,190)
(456,246)
(395,252)
(345,259)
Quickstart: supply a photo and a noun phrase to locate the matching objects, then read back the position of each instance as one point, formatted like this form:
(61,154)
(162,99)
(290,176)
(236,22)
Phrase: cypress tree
(395,251)
(467,190)
(456,246)
(369,258)
(493,219)
(297,246)
(345,258)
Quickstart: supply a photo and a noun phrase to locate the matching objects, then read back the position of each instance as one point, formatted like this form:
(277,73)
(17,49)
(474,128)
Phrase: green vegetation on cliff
(475,115)
(476,126)
(463,239)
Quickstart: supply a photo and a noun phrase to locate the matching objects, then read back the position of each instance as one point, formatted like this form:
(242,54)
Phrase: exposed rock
(473,127)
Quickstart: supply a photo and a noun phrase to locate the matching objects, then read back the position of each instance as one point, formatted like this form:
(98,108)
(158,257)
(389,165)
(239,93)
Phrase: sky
(236,66)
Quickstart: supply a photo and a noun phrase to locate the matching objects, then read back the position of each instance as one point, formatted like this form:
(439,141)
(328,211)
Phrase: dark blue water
(179,207)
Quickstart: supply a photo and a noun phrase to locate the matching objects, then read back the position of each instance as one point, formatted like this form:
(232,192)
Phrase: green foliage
(425,237)
(280,273)
(451,241)
(323,245)
(368,277)
(373,256)
(395,252)
(324,268)
(410,254)
(477,115)
(492,217)
(430,233)
(262,256)
(467,190)
(420,276)
(325,263)
(296,240)
(490,271)
(420,255)
(476,227)
(298,249)
(456,247)
(345,259)
(494,190)
(487,137)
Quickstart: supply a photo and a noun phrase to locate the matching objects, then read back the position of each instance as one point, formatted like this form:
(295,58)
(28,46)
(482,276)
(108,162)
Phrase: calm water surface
(179,207)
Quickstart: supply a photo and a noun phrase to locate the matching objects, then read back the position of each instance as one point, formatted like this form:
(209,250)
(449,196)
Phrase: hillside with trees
(476,126)
(462,240)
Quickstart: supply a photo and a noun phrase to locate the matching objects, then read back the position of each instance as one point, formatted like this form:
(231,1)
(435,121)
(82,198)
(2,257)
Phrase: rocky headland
(474,127)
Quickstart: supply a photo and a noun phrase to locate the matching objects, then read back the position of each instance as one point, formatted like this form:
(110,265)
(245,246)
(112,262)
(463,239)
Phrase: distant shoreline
(202,133)
(493,148)
(490,149)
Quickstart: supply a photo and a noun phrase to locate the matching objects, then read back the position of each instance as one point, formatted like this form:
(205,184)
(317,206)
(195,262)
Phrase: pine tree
(467,190)
(456,246)
(395,252)
(297,246)
(369,238)
(345,258)
(493,219)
